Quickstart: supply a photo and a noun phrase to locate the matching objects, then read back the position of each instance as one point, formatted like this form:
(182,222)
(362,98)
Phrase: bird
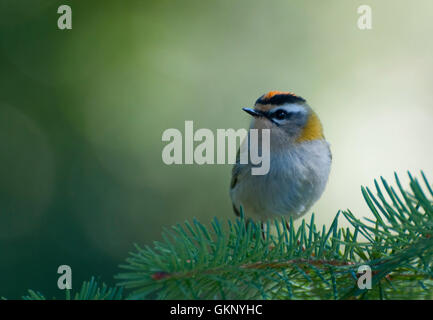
(300,161)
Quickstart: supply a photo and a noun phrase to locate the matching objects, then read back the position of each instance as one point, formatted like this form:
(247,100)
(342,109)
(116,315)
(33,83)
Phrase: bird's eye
(280,114)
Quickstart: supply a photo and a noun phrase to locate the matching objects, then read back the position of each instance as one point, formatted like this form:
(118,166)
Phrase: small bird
(300,160)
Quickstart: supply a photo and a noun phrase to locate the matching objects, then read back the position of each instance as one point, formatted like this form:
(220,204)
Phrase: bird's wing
(236,171)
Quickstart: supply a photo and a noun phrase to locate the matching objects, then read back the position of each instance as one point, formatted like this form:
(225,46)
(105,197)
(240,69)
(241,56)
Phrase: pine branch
(89,291)
(195,262)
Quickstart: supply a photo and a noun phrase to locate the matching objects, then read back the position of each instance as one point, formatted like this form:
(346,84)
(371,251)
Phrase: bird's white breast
(295,181)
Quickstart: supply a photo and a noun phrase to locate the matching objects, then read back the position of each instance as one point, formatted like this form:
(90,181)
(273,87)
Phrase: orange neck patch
(313,130)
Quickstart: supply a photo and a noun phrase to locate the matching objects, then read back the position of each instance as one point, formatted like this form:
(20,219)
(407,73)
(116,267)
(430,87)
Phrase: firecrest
(300,160)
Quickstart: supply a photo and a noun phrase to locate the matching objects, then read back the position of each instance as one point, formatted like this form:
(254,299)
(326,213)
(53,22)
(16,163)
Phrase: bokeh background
(82,113)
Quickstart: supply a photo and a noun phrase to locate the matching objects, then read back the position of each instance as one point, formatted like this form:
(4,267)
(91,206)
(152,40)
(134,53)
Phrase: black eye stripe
(281,114)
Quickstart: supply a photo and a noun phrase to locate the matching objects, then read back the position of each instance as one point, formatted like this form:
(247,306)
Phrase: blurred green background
(82,113)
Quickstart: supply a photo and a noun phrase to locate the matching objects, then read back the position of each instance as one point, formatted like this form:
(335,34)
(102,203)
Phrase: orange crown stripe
(270,94)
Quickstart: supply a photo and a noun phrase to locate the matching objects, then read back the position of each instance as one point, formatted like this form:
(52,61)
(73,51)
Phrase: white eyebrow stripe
(291,108)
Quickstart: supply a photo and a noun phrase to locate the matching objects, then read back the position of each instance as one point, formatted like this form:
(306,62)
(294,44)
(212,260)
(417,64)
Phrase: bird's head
(287,115)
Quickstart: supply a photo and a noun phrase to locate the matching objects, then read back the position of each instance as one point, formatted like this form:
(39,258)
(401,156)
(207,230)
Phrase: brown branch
(260,265)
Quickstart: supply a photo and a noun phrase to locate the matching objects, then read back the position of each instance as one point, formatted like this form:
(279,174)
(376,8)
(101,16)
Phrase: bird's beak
(254,113)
